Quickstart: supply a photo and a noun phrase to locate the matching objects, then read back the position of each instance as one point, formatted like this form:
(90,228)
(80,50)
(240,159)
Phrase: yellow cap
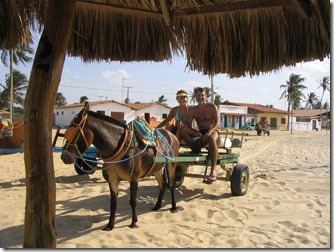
(182,94)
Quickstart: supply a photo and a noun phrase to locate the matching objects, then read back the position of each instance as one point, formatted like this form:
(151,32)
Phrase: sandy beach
(287,204)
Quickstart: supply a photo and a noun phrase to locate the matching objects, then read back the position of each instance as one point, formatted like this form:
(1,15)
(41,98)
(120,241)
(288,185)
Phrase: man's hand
(205,137)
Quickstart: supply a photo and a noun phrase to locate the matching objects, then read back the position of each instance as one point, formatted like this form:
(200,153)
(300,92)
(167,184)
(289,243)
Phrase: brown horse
(15,139)
(124,156)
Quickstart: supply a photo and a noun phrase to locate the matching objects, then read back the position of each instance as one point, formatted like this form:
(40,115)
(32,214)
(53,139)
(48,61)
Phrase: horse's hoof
(107,228)
(156,208)
(133,225)
(174,209)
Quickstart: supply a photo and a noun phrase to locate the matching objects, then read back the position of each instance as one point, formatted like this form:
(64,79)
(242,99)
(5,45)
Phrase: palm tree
(325,105)
(311,101)
(293,92)
(324,83)
(15,56)
(60,99)
(83,99)
(20,84)
(19,55)
(162,99)
(218,100)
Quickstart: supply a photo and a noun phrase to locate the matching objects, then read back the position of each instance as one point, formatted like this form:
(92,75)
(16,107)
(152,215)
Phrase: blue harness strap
(142,130)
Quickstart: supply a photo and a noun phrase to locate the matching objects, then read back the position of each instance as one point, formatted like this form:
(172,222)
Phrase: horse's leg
(133,202)
(113,186)
(158,176)
(171,172)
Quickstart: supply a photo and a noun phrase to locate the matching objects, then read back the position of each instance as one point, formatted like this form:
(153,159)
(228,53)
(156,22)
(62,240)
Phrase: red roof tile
(308,112)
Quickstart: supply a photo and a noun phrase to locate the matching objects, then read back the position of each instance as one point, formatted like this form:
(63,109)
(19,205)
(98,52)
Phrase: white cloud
(119,74)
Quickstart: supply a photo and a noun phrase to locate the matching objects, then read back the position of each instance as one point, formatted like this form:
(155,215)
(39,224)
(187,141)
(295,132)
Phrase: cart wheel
(179,178)
(82,167)
(240,180)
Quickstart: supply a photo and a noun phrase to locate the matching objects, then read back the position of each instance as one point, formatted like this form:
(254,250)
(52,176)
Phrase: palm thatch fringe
(250,42)
(16,20)
(236,37)
(105,35)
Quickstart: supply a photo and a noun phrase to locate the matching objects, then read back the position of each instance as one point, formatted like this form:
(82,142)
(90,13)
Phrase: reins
(117,157)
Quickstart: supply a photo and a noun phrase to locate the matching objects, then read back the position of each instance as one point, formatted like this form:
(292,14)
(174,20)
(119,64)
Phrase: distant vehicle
(249,126)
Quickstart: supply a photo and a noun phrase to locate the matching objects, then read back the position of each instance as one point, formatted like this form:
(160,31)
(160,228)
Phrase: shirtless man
(206,116)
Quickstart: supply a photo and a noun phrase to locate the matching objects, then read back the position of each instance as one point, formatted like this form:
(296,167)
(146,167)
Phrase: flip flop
(210,179)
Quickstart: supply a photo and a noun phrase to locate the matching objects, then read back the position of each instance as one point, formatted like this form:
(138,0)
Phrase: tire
(83,168)
(240,180)
(179,178)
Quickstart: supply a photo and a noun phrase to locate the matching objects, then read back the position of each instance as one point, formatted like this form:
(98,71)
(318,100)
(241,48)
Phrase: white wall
(304,125)
(229,109)
(64,115)
(235,110)
(155,110)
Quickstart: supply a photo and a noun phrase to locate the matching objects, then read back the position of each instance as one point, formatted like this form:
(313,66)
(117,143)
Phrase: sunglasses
(182,97)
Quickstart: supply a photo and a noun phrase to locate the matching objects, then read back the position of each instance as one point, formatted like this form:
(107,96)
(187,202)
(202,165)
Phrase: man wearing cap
(207,119)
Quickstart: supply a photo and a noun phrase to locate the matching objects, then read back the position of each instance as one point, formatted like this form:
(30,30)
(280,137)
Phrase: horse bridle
(78,130)
(75,132)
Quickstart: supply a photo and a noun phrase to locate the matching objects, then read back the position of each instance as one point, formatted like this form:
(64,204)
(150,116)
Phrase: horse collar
(122,149)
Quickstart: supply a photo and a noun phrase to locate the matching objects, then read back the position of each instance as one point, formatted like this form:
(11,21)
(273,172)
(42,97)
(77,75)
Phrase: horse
(125,158)
(14,140)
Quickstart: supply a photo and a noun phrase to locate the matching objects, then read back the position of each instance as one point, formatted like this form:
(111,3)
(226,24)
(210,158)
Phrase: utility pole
(122,91)
(291,110)
(212,90)
(11,103)
(127,92)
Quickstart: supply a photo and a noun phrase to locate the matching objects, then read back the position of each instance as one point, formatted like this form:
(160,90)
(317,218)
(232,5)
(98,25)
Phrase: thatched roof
(236,37)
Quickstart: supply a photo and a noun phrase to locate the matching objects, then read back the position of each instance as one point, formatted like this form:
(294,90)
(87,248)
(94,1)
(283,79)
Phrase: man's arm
(215,119)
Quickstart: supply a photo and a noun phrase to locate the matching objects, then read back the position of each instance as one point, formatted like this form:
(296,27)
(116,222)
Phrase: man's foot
(210,179)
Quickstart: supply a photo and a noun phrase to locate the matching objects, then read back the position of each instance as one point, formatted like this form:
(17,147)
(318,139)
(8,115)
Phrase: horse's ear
(86,107)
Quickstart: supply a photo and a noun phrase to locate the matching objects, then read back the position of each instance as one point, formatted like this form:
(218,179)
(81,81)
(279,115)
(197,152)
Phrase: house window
(147,117)
(283,121)
(101,112)
(57,113)
(62,113)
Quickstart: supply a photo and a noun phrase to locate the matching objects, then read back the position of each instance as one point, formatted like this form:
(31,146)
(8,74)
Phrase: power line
(118,90)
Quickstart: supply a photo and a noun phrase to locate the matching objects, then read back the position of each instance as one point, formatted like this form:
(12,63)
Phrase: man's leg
(213,139)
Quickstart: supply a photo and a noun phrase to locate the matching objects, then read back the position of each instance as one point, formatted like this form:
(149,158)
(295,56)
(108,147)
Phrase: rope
(151,139)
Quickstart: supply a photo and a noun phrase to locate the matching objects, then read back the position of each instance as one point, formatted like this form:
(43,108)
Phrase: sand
(287,204)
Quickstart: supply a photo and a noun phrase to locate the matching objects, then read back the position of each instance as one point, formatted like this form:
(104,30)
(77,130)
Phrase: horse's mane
(107,118)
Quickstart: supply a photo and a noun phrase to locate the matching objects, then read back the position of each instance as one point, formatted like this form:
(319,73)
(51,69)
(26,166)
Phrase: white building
(63,115)
(232,116)
(309,119)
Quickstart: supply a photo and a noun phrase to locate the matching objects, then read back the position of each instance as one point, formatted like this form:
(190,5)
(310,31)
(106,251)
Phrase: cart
(236,173)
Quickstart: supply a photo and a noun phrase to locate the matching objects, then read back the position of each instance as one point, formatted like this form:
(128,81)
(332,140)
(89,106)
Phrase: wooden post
(39,224)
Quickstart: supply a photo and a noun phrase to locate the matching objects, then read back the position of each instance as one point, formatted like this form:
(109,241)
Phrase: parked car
(248,126)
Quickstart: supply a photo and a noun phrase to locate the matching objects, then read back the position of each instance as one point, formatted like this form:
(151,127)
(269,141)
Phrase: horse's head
(78,137)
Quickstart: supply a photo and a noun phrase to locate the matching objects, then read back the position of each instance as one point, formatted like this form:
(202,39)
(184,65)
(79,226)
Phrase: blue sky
(146,81)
